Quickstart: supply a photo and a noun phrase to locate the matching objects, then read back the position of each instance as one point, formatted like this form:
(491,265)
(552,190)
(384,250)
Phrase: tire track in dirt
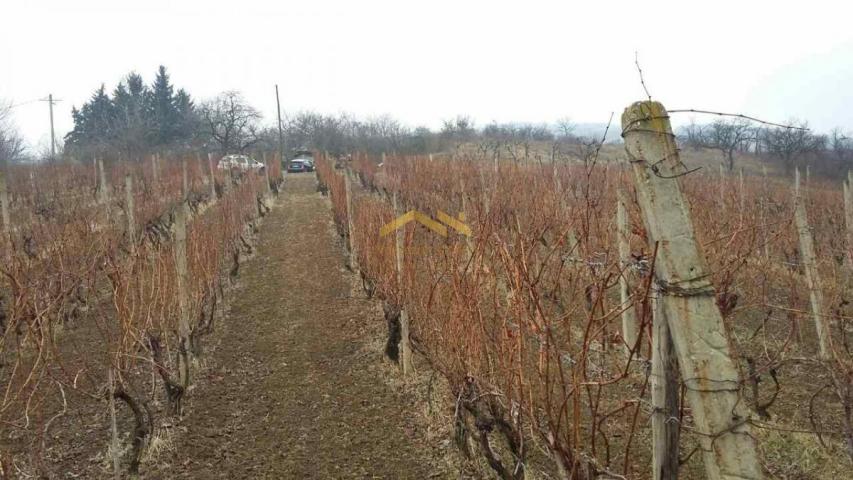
(290,392)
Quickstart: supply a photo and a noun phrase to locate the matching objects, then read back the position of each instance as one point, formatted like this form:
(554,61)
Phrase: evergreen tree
(94,122)
(162,109)
(136,119)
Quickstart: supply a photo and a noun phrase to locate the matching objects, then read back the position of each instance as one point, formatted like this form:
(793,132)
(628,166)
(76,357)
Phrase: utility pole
(50,101)
(280,134)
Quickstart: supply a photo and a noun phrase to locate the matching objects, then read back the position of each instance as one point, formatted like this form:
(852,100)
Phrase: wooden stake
(353,258)
(710,376)
(183,297)
(268,188)
(629,317)
(664,389)
(212,177)
(399,244)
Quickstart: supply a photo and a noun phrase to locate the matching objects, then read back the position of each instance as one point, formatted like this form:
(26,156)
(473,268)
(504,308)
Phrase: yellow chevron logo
(425,220)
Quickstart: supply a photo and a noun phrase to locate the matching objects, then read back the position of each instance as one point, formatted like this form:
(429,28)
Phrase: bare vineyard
(544,321)
(112,274)
(618,319)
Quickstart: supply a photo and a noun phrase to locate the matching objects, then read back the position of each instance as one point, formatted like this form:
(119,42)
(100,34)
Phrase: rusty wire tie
(667,288)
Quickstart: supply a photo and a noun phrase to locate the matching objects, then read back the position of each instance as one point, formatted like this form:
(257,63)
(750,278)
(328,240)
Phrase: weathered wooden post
(629,317)
(184,350)
(813,279)
(353,258)
(664,389)
(687,297)
(399,245)
(212,176)
(131,217)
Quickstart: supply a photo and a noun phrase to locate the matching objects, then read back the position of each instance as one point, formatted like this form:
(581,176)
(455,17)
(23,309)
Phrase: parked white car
(240,162)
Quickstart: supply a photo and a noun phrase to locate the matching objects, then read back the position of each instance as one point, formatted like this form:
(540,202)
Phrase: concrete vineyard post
(183,300)
(722,188)
(399,245)
(848,219)
(629,318)
(813,280)
(185,185)
(103,194)
(742,195)
(4,213)
(469,247)
(267,188)
(115,444)
(710,376)
(764,215)
(664,390)
(155,168)
(131,218)
(200,168)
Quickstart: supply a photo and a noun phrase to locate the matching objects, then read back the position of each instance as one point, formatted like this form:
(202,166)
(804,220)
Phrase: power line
(15,105)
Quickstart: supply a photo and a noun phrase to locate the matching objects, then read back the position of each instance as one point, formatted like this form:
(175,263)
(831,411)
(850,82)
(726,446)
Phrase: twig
(640,70)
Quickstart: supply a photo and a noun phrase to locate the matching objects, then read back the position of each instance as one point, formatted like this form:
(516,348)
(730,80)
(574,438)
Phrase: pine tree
(136,119)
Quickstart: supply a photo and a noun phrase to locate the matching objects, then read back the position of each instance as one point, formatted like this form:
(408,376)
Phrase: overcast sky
(424,61)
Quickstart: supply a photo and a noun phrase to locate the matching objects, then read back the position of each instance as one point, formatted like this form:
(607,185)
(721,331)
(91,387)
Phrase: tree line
(793,146)
(136,119)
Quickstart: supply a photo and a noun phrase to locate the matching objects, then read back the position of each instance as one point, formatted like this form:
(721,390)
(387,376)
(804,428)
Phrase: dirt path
(291,391)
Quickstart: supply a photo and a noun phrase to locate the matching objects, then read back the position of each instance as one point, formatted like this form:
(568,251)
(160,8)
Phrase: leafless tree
(565,136)
(841,146)
(791,144)
(565,128)
(727,136)
(459,129)
(692,135)
(12,144)
(230,122)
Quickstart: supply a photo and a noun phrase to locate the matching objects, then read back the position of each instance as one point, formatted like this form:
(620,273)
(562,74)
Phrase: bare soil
(292,384)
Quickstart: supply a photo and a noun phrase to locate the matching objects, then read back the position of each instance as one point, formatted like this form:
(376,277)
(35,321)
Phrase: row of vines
(525,320)
(112,273)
